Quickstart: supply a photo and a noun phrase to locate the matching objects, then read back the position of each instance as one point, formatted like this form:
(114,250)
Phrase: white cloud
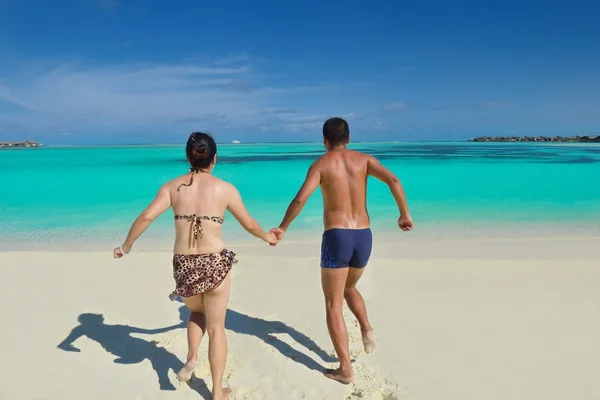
(308,118)
(7,96)
(437,107)
(399,106)
(302,126)
(278,111)
(224,94)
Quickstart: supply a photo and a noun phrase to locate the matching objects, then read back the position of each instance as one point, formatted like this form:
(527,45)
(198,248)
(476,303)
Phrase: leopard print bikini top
(196,220)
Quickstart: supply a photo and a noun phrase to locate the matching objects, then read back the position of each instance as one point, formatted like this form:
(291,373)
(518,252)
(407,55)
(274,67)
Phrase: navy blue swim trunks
(343,248)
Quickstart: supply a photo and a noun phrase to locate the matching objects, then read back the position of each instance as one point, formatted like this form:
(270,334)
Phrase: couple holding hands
(202,263)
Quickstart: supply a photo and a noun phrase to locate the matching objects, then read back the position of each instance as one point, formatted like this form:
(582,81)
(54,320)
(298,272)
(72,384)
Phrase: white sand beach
(464,320)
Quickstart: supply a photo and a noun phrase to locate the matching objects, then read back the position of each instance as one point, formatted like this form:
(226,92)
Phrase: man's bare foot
(337,375)
(368,339)
(185,374)
(224,395)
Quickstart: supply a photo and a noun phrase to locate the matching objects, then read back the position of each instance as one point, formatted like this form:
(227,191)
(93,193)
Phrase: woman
(201,263)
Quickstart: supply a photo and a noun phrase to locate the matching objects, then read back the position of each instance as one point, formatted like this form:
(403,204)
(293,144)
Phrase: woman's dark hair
(200,150)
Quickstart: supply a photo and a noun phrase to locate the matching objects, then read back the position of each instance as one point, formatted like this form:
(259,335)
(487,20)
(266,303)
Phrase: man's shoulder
(318,162)
(357,153)
(361,157)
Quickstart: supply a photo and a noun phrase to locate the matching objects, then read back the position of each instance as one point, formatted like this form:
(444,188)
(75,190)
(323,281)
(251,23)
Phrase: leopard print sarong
(199,273)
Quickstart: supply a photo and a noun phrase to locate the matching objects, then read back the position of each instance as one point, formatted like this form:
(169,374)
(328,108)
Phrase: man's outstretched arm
(311,183)
(386,176)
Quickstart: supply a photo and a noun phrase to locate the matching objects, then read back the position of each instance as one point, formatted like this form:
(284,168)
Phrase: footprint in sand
(370,383)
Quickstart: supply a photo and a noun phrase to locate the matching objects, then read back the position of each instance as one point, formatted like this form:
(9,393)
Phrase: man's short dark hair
(336,131)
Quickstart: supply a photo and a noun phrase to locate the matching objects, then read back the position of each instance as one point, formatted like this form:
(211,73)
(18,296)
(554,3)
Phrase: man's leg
(363,244)
(333,281)
(356,304)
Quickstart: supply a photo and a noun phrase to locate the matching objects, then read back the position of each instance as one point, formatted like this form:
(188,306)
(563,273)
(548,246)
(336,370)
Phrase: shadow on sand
(117,340)
(265,331)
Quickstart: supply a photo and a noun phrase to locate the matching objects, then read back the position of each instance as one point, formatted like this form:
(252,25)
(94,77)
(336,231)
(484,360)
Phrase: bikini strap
(192,172)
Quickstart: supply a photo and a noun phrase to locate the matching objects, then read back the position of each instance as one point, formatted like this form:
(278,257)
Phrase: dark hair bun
(200,150)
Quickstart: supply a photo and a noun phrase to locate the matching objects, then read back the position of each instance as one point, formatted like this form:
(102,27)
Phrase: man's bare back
(344,188)
(342,175)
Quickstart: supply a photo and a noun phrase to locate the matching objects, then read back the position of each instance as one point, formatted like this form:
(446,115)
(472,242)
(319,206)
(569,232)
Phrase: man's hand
(405,222)
(271,238)
(279,234)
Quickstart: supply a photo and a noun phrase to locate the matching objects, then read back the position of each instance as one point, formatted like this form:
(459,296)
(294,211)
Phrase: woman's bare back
(199,210)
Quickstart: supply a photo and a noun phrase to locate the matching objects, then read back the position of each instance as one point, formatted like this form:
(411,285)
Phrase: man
(347,241)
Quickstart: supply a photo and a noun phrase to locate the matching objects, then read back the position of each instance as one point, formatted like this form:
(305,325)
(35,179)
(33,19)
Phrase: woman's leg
(215,304)
(195,330)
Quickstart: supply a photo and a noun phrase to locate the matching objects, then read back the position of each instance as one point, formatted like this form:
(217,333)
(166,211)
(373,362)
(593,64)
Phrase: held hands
(405,222)
(278,233)
(271,238)
(69,347)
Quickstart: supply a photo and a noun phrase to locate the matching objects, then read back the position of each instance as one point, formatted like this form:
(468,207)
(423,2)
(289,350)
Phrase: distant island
(26,143)
(553,139)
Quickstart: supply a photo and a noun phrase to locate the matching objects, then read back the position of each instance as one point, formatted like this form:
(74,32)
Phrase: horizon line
(244,143)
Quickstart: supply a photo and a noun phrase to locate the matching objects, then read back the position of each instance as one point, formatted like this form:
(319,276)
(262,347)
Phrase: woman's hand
(119,252)
(279,234)
(271,238)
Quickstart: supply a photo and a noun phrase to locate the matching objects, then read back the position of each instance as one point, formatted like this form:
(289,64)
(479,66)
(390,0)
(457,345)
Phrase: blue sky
(142,71)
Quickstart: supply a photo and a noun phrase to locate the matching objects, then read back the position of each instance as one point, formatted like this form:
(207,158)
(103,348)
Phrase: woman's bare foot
(337,375)
(185,374)
(368,339)
(224,395)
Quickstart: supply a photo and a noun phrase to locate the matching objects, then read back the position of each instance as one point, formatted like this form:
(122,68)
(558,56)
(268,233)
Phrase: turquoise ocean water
(90,195)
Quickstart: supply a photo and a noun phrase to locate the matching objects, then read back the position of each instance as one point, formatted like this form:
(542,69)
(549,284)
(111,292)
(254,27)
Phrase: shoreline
(536,139)
(317,143)
(563,249)
(527,235)
(25,144)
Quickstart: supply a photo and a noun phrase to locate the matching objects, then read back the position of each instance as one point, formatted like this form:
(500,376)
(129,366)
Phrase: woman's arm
(237,208)
(67,344)
(159,205)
